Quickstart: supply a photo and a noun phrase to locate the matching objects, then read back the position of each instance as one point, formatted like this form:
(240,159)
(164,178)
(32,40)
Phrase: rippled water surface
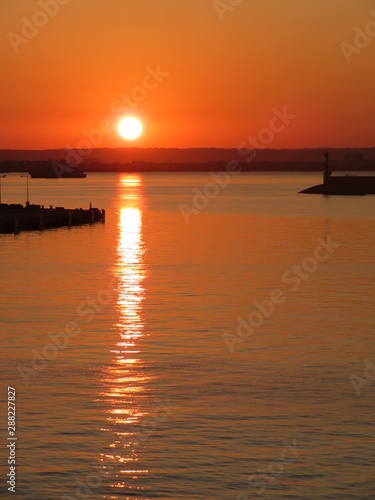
(137,372)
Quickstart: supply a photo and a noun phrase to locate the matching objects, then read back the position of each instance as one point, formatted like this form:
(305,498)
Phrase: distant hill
(191,155)
(54,162)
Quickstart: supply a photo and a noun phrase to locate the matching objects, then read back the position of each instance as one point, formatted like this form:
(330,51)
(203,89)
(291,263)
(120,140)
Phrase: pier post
(103,216)
(327,175)
(16,225)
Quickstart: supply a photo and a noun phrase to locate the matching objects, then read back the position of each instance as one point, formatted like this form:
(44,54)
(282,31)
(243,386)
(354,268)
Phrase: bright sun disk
(129,128)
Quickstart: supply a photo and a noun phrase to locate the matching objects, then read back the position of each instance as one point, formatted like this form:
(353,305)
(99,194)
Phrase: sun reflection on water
(125,379)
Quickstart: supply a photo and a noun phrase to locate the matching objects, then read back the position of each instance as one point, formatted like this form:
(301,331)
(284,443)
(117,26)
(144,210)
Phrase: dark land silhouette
(71,163)
(187,155)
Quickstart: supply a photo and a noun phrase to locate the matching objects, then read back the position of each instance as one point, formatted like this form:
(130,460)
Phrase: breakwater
(15,218)
(344,185)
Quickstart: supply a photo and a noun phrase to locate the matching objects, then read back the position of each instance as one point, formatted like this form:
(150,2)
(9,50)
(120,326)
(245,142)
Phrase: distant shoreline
(136,167)
(133,160)
(187,155)
(52,169)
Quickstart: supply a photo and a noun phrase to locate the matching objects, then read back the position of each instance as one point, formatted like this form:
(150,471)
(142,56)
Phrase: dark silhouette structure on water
(15,218)
(327,173)
(349,185)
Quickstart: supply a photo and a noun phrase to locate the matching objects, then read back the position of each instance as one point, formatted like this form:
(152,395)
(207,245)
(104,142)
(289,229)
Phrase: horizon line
(191,147)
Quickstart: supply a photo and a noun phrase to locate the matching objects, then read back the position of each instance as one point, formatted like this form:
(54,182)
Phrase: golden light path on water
(124,380)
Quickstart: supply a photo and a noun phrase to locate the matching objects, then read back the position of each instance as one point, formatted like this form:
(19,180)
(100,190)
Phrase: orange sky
(225,76)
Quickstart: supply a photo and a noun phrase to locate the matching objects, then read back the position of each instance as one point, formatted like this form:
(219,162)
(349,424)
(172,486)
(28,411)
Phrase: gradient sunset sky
(226,72)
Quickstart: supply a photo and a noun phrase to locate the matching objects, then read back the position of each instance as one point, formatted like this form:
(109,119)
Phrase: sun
(129,128)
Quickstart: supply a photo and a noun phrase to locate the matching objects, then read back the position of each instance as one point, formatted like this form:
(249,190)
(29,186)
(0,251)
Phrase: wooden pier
(16,218)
